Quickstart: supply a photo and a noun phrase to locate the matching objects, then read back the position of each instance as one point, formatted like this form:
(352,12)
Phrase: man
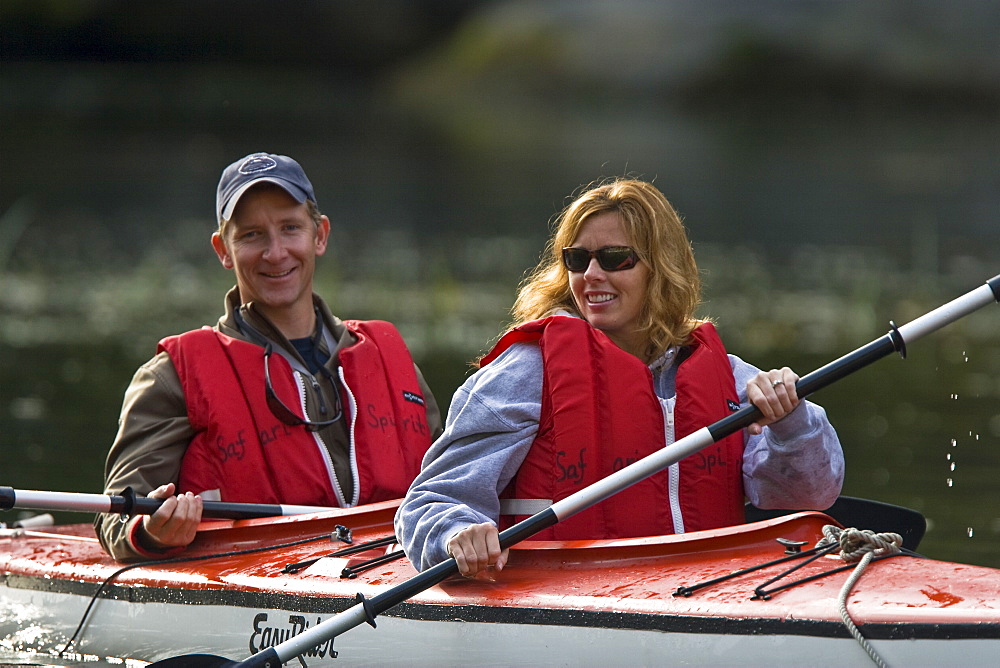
(281,402)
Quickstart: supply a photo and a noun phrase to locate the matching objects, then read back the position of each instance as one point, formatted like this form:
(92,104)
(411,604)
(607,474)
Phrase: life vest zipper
(352,449)
(324,451)
(674,471)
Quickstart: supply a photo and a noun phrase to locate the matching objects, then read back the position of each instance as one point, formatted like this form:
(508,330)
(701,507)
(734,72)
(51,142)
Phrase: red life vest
(600,413)
(250,456)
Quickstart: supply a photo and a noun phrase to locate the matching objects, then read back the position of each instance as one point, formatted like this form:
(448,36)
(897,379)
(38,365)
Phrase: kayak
(750,595)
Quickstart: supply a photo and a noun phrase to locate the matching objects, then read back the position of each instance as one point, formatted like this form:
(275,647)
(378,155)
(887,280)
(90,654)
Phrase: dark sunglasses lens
(576,259)
(617,258)
(612,258)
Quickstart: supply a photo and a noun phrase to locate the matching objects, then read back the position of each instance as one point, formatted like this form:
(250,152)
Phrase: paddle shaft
(894,341)
(129,504)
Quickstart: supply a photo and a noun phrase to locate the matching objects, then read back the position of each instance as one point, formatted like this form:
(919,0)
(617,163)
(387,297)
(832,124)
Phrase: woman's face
(611,301)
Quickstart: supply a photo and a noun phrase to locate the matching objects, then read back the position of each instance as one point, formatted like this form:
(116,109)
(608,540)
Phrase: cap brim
(295,191)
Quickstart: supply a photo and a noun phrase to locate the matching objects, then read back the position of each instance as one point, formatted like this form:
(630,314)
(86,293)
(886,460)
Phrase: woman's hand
(175,523)
(773,392)
(476,548)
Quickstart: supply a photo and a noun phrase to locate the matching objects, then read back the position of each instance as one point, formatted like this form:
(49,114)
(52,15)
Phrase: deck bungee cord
(763,593)
(352,571)
(803,557)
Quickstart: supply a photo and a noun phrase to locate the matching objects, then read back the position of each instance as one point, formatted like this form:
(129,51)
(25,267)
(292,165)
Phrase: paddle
(894,341)
(130,504)
(851,511)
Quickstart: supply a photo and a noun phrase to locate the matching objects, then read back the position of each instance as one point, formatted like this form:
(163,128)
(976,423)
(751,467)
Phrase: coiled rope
(861,545)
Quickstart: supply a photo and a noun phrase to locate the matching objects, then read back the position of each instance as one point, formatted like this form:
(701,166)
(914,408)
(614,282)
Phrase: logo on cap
(259,162)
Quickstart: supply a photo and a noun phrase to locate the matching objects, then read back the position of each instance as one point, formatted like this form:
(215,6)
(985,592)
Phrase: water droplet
(953,466)
(950,482)
(949,457)
(970,532)
(954,443)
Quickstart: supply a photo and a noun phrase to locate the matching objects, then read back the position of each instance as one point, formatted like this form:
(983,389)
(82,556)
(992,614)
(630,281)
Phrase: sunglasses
(611,258)
(281,411)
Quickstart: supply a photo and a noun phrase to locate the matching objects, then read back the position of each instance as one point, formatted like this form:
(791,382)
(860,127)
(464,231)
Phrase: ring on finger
(776,383)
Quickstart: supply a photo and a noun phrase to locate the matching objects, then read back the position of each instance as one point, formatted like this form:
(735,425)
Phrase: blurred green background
(837,164)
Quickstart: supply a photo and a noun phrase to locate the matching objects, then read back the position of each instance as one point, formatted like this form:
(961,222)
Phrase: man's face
(271,245)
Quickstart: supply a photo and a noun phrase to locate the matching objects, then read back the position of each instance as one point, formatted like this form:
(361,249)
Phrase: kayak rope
(341,533)
(862,546)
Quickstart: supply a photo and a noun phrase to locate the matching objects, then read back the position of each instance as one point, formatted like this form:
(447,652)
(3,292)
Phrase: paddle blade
(851,511)
(194,661)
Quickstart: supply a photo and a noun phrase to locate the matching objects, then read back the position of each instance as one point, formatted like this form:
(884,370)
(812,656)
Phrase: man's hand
(175,523)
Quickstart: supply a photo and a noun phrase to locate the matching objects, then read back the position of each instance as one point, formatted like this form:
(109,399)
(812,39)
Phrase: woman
(605,364)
